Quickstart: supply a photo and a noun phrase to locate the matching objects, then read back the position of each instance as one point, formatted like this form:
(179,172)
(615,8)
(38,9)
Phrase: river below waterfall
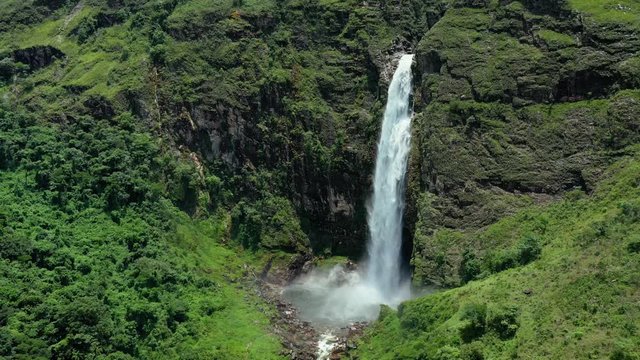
(338,304)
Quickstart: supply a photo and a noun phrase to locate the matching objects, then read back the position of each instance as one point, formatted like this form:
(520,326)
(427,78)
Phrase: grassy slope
(583,290)
(625,11)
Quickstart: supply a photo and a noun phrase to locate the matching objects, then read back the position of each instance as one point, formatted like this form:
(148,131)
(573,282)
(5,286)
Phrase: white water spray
(331,299)
(387,207)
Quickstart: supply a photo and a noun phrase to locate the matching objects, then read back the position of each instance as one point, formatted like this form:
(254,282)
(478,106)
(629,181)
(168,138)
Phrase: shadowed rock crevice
(37,57)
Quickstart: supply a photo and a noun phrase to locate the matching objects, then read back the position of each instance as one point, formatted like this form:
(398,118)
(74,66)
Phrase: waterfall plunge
(387,207)
(334,298)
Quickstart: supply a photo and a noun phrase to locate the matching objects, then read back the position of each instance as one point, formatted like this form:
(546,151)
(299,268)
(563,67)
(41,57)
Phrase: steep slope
(97,261)
(143,141)
(567,289)
(281,100)
(122,118)
(516,104)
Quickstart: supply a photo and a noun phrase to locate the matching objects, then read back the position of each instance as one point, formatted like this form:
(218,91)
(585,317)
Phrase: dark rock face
(330,203)
(515,105)
(99,107)
(218,132)
(37,57)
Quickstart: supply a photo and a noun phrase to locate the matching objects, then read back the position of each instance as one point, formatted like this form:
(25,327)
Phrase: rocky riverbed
(301,339)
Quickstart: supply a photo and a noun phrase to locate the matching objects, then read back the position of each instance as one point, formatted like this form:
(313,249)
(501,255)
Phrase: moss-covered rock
(516,104)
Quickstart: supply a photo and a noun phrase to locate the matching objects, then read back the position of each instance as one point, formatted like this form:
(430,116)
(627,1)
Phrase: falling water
(387,207)
(332,299)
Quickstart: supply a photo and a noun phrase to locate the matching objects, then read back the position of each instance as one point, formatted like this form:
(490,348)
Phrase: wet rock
(298,337)
(299,265)
(386,62)
(351,265)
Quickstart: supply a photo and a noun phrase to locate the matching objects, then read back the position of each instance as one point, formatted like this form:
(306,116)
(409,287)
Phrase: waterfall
(332,298)
(387,205)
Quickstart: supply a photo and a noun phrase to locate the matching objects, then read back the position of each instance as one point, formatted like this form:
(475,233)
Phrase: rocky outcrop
(333,199)
(99,107)
(37,57)
(302,123)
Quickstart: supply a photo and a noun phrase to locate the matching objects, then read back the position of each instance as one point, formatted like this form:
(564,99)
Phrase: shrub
(177,312)
(529,249)
(474,321)
(86,28)
(158,54)
(472,351)
(268,223)
(214,187)
(503,321)
(621,354)
(385,311)
(503,260)
(448,352)
(15,247)
(630,211)
(8,68)
(469,267)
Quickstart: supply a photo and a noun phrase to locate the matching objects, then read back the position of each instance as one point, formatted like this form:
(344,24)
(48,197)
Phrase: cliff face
(287,97)
(523,191)
(259,119)
(517,103)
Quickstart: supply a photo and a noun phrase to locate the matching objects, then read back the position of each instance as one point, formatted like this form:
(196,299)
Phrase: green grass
(581,294)
(556,39)
(610,11)
(240,329)
(54,32)
(187,10)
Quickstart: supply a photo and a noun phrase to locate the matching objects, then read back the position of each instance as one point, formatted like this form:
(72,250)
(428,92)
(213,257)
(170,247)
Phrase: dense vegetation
(282,99)
(98,260)
(150,149)
(137,136)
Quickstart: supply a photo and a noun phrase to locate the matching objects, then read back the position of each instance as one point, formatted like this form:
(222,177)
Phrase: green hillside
(560,281)
(97,261)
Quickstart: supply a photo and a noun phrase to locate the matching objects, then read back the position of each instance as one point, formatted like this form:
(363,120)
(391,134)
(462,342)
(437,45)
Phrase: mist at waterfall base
(336,297)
